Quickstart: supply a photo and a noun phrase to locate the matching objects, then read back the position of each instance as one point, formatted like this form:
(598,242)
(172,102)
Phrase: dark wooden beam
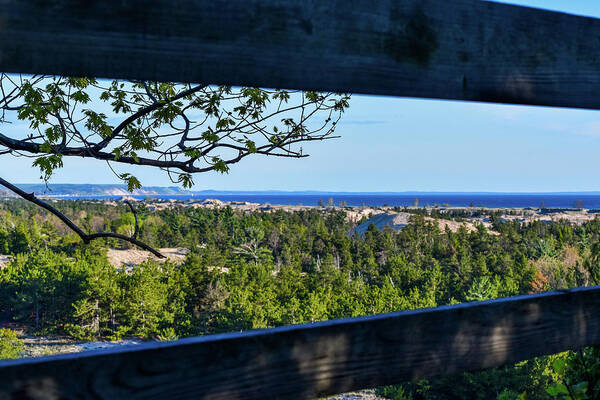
(445,49)
(308,361)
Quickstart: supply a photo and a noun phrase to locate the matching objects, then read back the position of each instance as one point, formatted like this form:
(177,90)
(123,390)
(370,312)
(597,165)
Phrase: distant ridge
(75,190)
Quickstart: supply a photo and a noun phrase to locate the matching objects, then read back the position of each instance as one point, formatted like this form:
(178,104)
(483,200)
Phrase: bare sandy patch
(130,257)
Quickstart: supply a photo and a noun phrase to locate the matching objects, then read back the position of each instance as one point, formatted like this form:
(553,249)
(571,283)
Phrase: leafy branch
(181,129)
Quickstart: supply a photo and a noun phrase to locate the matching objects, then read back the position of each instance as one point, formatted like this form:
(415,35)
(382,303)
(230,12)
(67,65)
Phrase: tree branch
(84,236)
(221,125)
(144,111)
(35,148)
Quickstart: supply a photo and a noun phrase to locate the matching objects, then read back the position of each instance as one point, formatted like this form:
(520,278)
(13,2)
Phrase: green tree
(10,345)
(483,288)
(95,309)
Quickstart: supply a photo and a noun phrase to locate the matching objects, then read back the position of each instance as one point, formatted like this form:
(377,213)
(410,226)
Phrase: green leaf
(251,146)
(559,365)
(132,182)
(210,136)
(192,152)
(219,165)
(80,96)
(186,180)
(46,147)
(556,389)
(579,390)
(48,164)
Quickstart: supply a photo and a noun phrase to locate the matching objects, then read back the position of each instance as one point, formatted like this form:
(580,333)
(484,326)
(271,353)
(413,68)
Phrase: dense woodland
(265,269)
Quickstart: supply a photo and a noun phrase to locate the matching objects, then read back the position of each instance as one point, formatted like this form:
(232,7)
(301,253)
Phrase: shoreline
(540,202)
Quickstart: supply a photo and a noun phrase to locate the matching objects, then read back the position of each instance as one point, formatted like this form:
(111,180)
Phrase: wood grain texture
(307,361)
(447,49)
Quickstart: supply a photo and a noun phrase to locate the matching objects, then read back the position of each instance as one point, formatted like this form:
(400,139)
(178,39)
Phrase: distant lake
(491,200)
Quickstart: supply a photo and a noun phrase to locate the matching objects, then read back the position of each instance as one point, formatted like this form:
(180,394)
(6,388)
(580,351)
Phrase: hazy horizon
(315,191)
(398,145)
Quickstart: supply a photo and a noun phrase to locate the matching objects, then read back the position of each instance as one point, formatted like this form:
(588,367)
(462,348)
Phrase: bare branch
(84,237)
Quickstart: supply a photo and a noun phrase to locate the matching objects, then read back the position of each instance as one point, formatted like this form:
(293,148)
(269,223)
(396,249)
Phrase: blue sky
(394,144)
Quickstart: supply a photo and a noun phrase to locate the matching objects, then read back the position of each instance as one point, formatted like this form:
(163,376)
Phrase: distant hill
(75,190)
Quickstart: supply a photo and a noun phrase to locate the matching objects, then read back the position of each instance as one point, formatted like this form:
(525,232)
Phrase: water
(589,200)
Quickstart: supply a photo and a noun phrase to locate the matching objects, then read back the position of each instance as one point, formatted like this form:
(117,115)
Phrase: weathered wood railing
(446,49)
(307,361)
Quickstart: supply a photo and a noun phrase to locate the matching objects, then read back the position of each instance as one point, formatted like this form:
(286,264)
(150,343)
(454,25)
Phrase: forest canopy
(266,269)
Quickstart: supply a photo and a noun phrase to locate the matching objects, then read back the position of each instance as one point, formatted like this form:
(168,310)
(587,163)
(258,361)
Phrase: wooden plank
(307,361)
(446,49)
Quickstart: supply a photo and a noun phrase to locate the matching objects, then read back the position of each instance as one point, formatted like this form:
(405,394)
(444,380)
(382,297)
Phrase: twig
(84,236)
